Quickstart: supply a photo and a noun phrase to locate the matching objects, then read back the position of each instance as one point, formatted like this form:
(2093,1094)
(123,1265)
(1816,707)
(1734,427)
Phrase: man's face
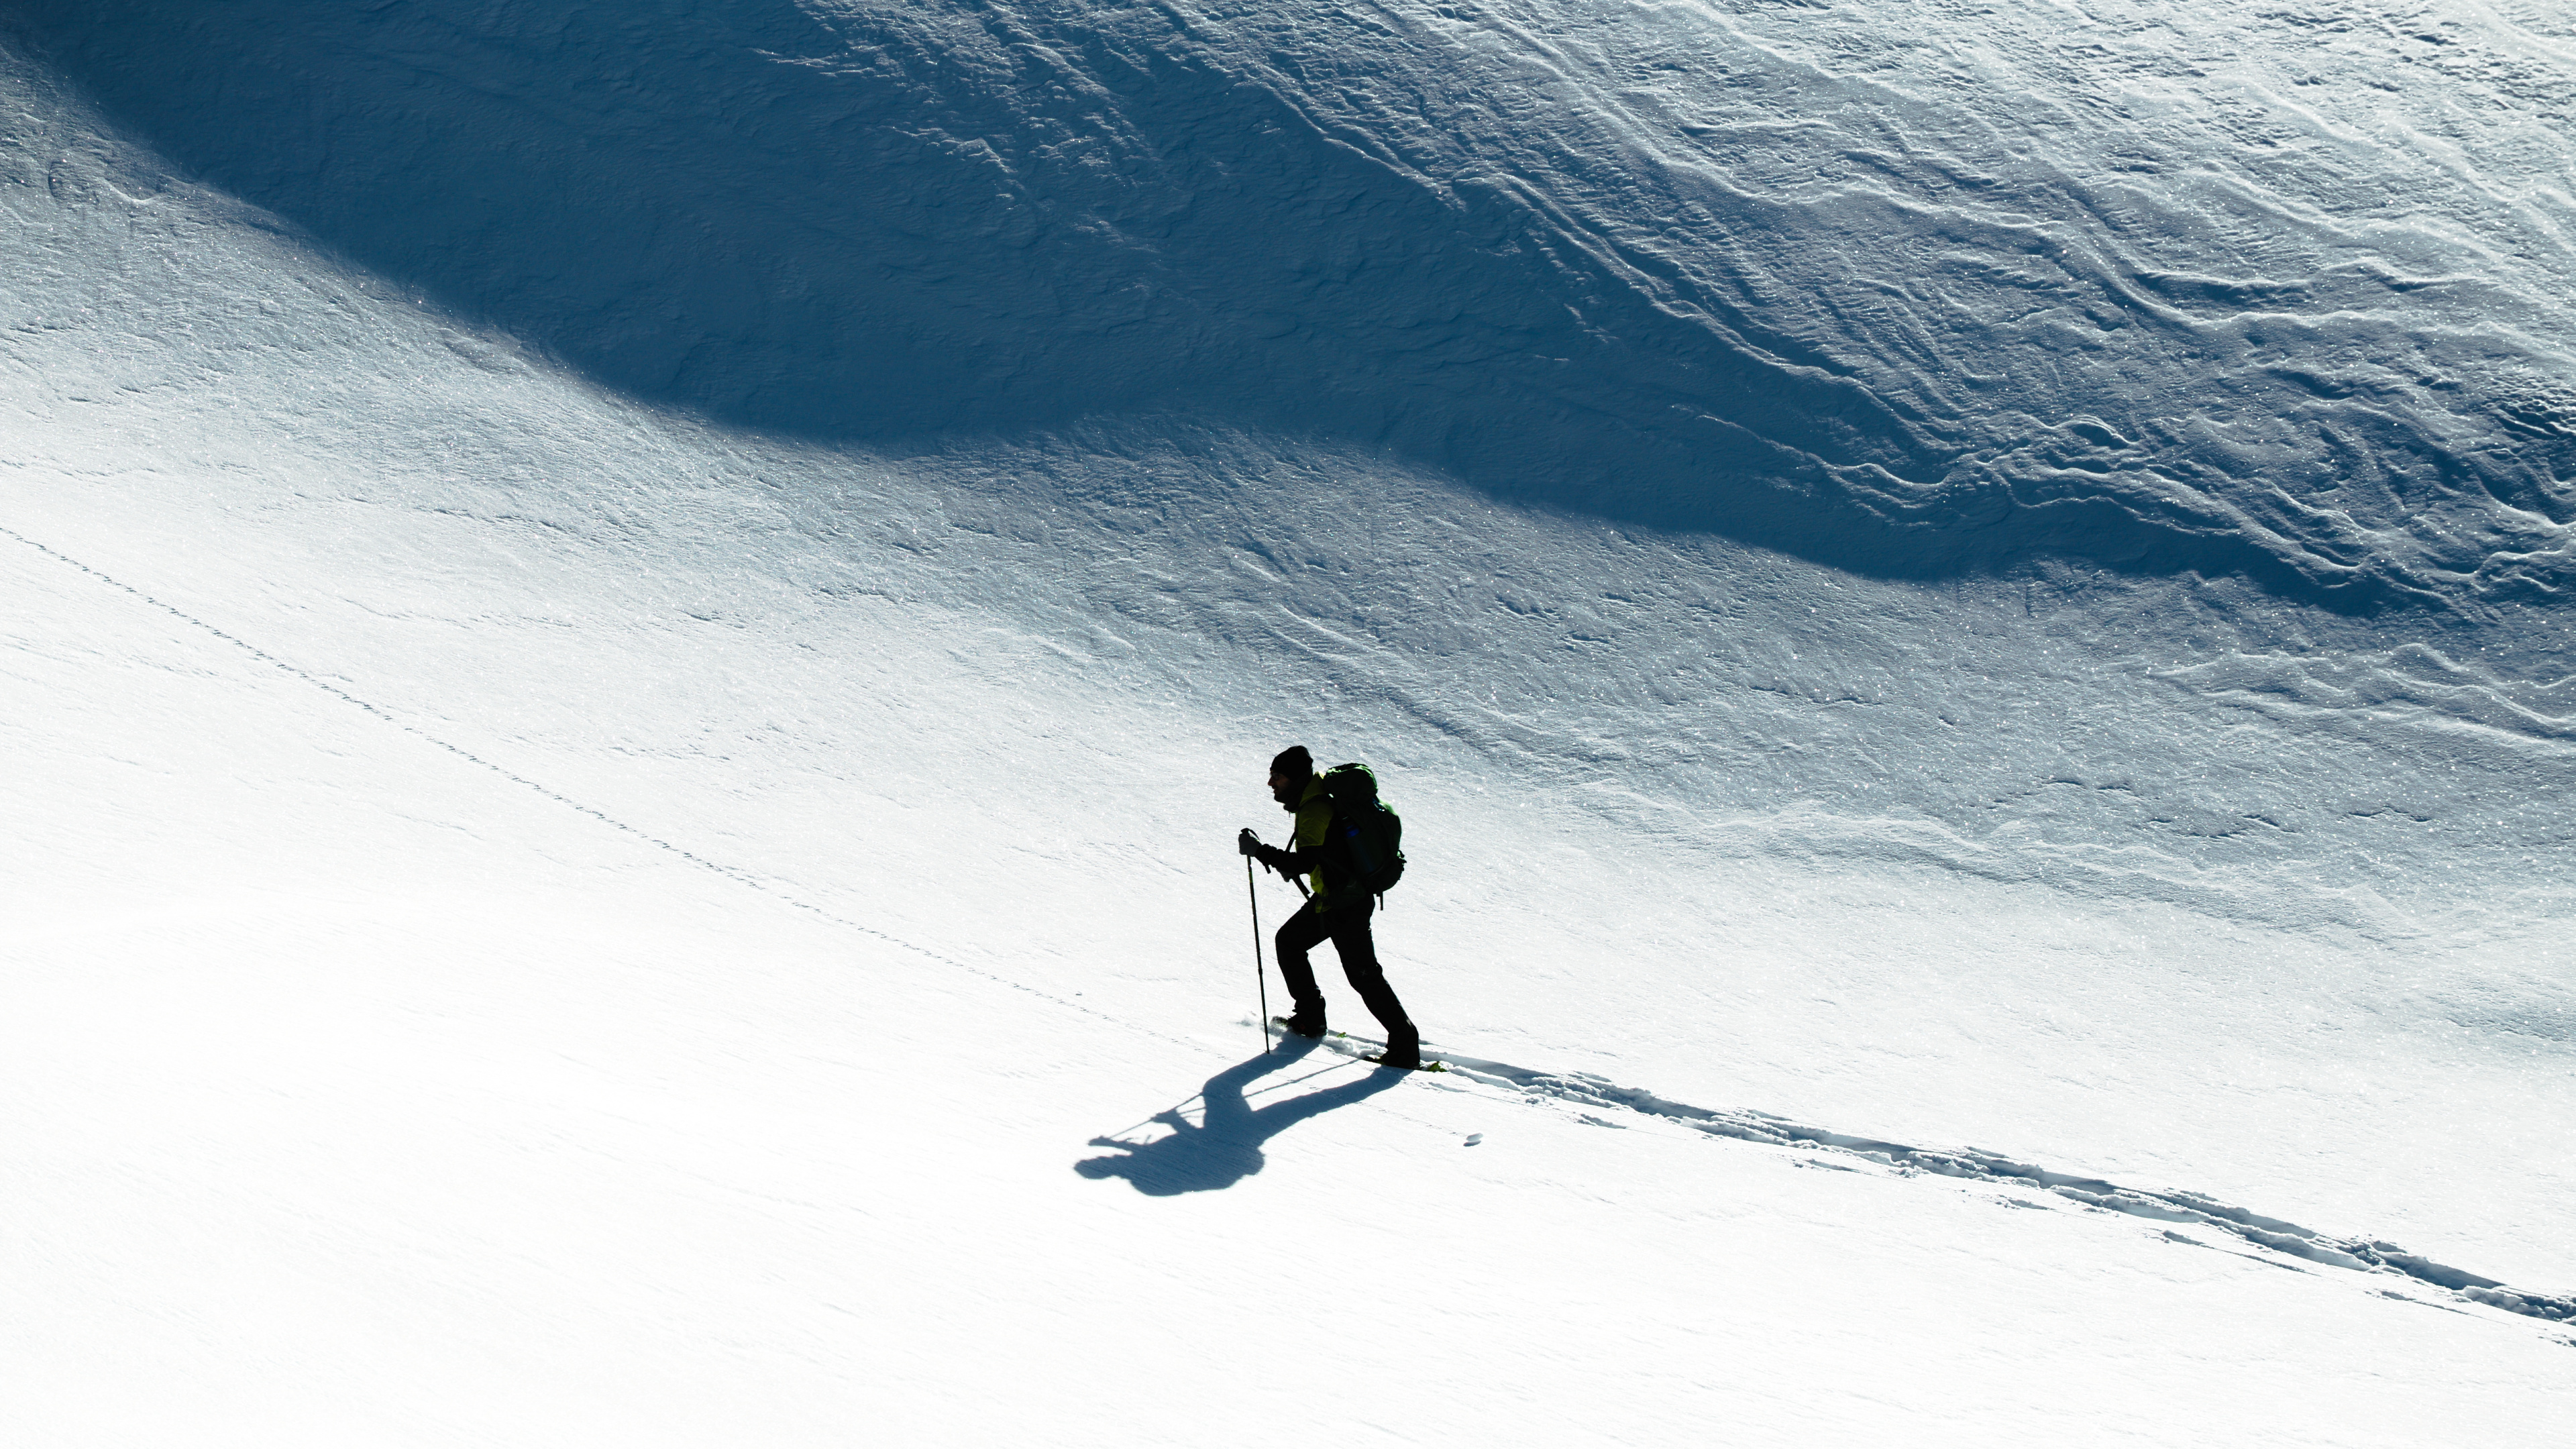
(1281,783)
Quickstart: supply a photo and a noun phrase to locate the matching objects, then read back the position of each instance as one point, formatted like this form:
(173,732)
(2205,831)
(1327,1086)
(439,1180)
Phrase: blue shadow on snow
(904,225)
(1224,1148)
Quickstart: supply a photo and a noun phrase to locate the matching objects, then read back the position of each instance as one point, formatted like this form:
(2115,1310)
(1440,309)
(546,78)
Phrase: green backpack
(1370,835)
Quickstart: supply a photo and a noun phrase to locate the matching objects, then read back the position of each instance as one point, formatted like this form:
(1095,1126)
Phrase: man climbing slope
(1338,907)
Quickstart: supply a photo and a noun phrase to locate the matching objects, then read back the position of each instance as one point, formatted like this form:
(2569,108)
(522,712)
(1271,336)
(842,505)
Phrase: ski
(1374,1058)
(1428,1065)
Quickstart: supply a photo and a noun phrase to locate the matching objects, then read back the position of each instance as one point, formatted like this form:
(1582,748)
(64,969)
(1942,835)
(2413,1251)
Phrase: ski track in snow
(2180,321)
(732,873)
(1585,1089)
(1579,1088)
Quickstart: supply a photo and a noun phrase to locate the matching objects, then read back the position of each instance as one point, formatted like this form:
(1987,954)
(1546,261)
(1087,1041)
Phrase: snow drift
(2281,293)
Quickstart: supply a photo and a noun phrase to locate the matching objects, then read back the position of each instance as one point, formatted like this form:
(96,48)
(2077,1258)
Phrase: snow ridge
(1745,1124)
(1911,290)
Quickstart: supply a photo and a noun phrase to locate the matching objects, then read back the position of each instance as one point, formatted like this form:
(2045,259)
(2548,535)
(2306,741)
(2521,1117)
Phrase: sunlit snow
(637,635)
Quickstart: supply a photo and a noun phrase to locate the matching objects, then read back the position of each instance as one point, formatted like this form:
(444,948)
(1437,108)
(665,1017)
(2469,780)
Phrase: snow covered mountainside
(2282,291)
(637,634)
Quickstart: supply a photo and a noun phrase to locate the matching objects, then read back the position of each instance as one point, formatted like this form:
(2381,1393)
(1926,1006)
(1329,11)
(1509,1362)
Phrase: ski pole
(1260,977)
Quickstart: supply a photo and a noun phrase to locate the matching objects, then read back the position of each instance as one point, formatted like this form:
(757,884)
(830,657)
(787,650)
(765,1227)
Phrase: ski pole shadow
(1224,1147)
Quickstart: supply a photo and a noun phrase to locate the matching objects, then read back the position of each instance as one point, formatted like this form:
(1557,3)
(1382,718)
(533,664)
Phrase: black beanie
(1293,762)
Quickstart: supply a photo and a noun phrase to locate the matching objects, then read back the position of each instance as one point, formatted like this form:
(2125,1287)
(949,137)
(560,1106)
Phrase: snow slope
(635,700)
(1908,288)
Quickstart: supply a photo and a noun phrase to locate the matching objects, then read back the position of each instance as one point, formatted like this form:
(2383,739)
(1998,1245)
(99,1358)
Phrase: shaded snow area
(635,636)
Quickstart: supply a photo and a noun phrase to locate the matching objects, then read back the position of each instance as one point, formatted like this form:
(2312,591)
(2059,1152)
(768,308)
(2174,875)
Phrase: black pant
(1348,928)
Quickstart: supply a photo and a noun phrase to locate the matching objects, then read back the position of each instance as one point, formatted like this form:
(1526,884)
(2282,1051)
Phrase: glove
(1270,855)
(1247,843)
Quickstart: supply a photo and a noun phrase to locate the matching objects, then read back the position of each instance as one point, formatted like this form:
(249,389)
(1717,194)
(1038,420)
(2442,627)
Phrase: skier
(1336,908)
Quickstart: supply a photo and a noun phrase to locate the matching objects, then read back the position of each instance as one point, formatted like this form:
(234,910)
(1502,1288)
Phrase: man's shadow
(1224,1148)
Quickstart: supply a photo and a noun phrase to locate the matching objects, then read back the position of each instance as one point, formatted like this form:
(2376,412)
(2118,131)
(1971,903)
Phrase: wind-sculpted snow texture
(633,637)
(1908,288)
